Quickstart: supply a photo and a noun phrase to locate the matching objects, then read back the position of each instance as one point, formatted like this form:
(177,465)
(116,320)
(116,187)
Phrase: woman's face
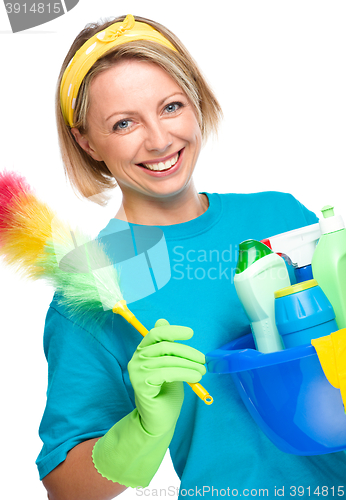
(142,125)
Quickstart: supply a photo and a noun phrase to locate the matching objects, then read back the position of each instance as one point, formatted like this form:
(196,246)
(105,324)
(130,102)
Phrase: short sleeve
(86,392)
(309,216)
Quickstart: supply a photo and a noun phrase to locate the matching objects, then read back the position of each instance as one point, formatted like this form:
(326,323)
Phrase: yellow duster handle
(122,309)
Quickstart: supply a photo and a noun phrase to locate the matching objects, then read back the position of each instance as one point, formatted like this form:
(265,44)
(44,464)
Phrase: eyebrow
(129,112)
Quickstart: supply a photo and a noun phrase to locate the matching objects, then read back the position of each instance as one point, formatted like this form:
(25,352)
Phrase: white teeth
(162,165)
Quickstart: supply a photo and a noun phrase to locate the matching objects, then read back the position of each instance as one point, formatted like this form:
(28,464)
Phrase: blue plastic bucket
(287,394)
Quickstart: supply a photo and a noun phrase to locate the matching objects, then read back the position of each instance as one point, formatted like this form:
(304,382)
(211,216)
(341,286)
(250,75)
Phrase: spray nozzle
(298,245)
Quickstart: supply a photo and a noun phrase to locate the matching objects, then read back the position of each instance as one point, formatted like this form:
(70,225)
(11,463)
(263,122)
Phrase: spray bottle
(297,248)
(329,262)
(260,273)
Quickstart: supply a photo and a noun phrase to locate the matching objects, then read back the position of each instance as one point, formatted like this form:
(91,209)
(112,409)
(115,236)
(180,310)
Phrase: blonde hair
(89,177)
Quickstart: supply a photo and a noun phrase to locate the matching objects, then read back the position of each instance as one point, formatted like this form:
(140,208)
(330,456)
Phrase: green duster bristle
(83,275)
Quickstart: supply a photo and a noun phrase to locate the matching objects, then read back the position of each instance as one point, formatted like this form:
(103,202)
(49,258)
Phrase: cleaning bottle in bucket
(329,262)
(303,313)
(260,272)
(297,247)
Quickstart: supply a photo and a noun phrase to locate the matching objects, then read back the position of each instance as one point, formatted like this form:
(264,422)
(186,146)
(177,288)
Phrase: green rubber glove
(132,450)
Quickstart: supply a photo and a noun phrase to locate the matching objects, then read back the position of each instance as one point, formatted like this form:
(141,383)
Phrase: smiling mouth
(162,165)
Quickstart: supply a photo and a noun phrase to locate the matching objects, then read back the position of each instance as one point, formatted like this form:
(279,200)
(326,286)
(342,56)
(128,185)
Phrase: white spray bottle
(297,247)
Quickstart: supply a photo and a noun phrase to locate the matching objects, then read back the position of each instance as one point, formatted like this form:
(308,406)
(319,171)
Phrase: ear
(85,144)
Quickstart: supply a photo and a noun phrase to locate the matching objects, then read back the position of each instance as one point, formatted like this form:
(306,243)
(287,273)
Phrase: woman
(133,108)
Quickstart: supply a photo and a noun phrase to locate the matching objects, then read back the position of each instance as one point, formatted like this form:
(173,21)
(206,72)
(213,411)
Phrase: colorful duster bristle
(40,246)
(25,224)
(83,275)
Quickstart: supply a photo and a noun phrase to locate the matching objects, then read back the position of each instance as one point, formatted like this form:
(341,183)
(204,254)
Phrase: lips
(163,164)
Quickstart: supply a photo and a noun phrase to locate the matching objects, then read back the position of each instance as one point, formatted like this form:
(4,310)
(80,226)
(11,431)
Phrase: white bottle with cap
(259,273)
(329,262)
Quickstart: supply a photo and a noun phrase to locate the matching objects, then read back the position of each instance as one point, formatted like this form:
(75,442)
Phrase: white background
(278,70)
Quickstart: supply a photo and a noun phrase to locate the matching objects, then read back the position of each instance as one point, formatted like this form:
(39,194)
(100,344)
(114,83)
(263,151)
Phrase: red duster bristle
(12,187)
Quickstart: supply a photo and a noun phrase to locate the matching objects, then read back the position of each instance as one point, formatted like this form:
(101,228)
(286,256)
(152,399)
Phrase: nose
(158,137)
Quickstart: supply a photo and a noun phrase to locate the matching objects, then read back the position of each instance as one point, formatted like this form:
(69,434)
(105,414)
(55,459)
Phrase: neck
(166,211)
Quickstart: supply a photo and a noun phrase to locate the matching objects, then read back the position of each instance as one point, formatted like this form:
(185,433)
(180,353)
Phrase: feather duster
(35,242)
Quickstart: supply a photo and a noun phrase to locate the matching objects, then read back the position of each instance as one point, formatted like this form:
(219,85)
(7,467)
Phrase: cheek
(118,150)
(189,129)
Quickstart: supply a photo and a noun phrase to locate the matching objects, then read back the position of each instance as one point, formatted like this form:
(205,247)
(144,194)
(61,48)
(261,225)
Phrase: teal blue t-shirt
(216,450)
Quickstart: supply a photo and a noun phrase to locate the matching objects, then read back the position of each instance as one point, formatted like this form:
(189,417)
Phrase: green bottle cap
(327,211)
(249,252)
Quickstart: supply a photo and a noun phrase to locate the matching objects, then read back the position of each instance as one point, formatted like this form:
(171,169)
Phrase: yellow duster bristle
(31,227)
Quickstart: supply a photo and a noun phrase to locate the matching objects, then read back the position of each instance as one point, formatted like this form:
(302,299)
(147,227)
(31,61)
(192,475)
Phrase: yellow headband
(116,34)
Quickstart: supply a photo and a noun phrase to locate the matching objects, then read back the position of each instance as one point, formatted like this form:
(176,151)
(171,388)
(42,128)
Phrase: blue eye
(121,125)
(174,106)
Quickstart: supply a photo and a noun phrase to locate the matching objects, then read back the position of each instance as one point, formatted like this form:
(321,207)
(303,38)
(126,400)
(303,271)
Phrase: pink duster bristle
(25,224)
(12,187)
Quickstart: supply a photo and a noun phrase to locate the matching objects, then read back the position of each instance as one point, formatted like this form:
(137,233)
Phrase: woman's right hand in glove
(157,371)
